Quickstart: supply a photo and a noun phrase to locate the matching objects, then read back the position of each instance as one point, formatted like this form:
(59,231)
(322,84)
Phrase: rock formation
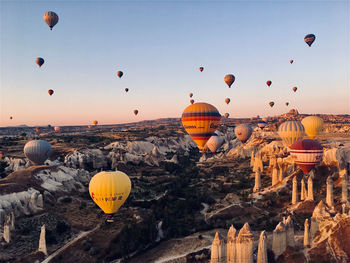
(295,191)
(258,164)
(231,245)
(280,172)
(257,186)
(252,160)
(262,249)
(310,189)
(344,188)
(303,192)
(42,241)
(274,176)
(289,232)
(306,233)
(329,197)
(217,250)
(244,245)
(6,234)
(279,240)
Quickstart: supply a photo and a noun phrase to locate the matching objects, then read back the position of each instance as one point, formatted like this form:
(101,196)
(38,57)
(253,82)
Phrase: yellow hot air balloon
(313,125)
(291,131)
(109,190)
(200,121)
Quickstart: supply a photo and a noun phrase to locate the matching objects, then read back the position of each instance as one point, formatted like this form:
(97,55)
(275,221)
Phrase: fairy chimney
(244,245)
(279,240)
(231,245)
(262,249)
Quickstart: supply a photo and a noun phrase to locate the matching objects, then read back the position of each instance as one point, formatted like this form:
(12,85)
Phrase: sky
(160,45)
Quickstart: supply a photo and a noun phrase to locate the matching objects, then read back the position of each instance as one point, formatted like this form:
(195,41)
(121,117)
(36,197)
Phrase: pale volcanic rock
(262,248)
(303,192)
(42,241)
(279,240)
(16,164)
(310,189)
(306,233)
(217,250)
(295,190)
(6,234)
(244,245)
(231,245)
(344,188)
(257,185)
(274,176)
(290,232)
(329,196)
(86,159)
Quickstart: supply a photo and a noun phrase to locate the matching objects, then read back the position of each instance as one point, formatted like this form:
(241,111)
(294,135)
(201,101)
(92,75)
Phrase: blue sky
(159,45)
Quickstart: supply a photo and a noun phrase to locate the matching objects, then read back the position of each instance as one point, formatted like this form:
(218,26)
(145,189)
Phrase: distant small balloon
(309,39)
(271,104)
(50,91)
(136,112)
(37,129)
(95,122)
(287,103)
(295,89)
(57,129)
(11,118)
(191,95)
(227,100)
(126,89)
(89,126)
(39,61)
(201,69)
(120,74)
(291,61)
(269,82)
(229,79)
(227,115)
(191,101)
(51,19)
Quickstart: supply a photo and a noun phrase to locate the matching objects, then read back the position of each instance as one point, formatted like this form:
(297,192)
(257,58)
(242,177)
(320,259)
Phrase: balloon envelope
(287,103)
(191,101)
(200,121)
(306,154)
(309,39)
(227,100)
(37,151)
(126,89)
(227,115)
(269,82)
(39,61)
(261,124)
(291,61)
(291,131)
(191,95)
(109,190)
(271,103)
(95,122)
(51,19)
(295,89)
(119,74)
(201,69)
(229,79)
(136,112)
(313,125)
(50,91)
(243,132)
(57,129)
(214,142)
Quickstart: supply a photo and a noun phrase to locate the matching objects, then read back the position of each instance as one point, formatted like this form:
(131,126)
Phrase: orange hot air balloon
(229,79)
(291,61)
(39,61)
(191,95)
(136,112)
(227,100)
(269,82)
(295,89)
(51,19)
(126,89)
(95,122)
(271,103)
(50,91)
(120,74)
(37,129)
(201,69)
(89,126)
(287,103)
(191,101)
(226,115)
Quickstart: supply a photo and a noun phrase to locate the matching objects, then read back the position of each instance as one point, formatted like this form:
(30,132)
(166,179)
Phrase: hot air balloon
(201,69)
(261,124)
(11,118)
(109,190)
(243,132)
(295,89)
(200,121)
(313,125)
(229,79)
(57,129)
(126,89)
(191,101)
(37,151)
(269,82)
(291,61)
(306,154)
(119,74)
(214,142)
(39,61)
(287,103)
(291,131)
(89,126)
(309,39)
(51,19)
(95,122)
(191,95)
(37,130)
(271,103)
(227,100)
(50,91)
(136,112)
(227,115)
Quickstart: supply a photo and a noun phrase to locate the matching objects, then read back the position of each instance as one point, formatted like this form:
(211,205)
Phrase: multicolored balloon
(261,124)
(229,79)
(309,39)
(37,151)
(200,121)
(120,74)
(57,129)
(227,115)
(191,95)
(243,132)
(291,131)
(269,82)
(306,154)
(39,61)
(95,122)
(51,19)
(313,125)
(109,190)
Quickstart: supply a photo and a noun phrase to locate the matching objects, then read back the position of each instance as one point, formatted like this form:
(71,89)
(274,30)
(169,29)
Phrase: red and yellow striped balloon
(200,121)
